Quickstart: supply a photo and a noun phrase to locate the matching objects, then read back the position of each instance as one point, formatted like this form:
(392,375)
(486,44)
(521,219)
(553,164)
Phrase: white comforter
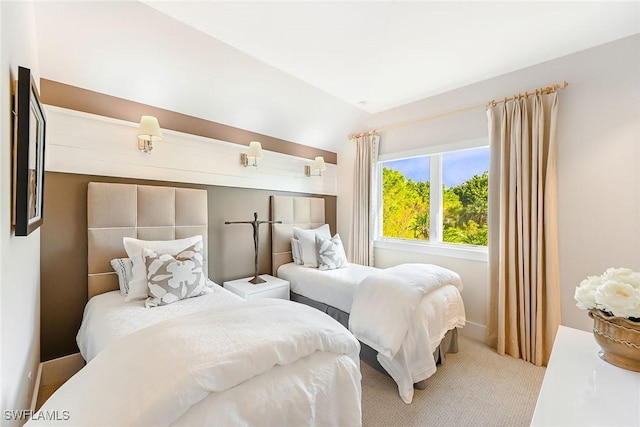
(108,318)
(331,287)
(220,367)
(384,316)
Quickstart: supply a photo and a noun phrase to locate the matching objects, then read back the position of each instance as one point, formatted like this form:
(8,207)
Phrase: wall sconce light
(318,165)
(148,132)
(254,154)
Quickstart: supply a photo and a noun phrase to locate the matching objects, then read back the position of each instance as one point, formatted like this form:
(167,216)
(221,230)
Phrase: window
(440,197)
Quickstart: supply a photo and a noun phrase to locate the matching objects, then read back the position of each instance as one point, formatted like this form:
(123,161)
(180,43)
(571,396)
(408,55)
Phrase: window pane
(465,177)
(405,198)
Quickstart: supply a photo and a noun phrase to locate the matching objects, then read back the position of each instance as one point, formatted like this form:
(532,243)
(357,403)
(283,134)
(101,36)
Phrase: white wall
(598,162)
(94,145)
(19,256)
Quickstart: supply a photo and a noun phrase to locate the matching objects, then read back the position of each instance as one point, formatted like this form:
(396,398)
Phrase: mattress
(107,317)
(332,287)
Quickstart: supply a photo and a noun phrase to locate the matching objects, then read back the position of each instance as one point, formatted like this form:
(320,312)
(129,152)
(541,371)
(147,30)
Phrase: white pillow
(134,247)
(307,240)
(330,253)
(123,268)
(296,251)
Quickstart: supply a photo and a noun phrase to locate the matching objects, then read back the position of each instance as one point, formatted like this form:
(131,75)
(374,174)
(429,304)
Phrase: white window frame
(435,246)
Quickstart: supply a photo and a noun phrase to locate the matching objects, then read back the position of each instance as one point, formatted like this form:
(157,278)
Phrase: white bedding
(437,313)
(442,311)
(384,303)
(386,317)
(331,287)
(262,362)
(107,317)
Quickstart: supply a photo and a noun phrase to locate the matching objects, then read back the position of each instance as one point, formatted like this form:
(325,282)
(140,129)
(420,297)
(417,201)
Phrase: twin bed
(214,359)
(431,328)
(217,359)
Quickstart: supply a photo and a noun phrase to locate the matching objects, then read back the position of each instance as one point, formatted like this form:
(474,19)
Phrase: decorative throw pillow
(296,252)
(307,240)
(330,253)
(173,278)
(134,247)
(123,268)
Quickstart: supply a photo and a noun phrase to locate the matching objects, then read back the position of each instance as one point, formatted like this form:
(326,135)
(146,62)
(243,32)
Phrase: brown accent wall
(63,249)
(75,98)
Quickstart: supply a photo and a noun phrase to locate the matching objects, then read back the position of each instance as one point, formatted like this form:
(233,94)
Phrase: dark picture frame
(29,148)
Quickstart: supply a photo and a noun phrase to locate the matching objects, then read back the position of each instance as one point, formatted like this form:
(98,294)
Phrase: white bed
(332,287)
(214,359)
(240,362)
(437,314)
(443,310)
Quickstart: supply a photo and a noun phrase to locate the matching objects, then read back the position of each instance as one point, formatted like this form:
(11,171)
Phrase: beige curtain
(524,297)
(361,243)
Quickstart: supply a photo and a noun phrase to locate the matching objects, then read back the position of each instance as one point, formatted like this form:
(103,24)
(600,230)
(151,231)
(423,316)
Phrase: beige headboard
(303,212)
(144,212)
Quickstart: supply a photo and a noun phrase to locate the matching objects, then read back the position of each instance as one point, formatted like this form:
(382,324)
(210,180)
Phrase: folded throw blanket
(384,303)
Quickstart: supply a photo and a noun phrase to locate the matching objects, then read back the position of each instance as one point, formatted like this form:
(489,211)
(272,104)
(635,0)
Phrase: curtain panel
(524,295)
(362,230)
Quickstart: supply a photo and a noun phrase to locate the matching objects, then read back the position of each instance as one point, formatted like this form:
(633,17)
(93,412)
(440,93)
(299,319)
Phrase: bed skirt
(449,343)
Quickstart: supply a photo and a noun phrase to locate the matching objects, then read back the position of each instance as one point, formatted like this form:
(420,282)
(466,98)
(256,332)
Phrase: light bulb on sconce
(318,166)
(148,132)
(253,155)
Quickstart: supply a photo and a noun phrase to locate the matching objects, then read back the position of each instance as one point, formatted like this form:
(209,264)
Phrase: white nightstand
(271,288)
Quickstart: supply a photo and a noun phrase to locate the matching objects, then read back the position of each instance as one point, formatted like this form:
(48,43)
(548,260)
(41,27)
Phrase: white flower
(613,272)
(616,291)
(619,299)
(623,275)
(585,294)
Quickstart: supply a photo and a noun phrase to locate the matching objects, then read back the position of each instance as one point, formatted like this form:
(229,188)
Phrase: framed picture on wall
(28,165)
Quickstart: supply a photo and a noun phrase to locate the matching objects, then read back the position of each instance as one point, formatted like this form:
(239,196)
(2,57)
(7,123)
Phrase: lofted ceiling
(383,54)
(309,72)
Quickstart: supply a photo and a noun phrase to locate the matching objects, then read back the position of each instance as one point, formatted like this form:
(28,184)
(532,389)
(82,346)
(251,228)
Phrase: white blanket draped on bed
(384,311)
(154,376)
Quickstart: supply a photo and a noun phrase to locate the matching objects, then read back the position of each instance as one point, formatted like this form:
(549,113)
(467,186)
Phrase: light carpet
(474,387)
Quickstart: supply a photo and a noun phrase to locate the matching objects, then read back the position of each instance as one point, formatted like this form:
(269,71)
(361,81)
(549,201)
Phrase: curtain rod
(543,91)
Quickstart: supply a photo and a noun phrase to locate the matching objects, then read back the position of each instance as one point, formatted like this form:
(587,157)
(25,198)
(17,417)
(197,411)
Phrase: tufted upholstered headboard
(144,212)
(303,212)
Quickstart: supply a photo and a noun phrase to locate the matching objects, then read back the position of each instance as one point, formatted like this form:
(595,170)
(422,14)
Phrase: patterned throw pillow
(296,252)
(330,253)
(138,289)
(124,269)
(173,278)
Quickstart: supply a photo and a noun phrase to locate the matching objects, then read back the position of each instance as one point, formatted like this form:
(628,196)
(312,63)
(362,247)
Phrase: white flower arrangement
(616,292)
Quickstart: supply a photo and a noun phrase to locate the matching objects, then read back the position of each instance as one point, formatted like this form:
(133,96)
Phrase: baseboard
(475,331)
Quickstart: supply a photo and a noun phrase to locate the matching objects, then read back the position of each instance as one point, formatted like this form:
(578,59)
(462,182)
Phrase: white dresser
(273,287)
(580,389)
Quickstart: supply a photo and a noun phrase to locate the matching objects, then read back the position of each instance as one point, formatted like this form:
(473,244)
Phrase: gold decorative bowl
(619,339)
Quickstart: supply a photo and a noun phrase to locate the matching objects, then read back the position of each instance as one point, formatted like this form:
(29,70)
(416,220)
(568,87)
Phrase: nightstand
(271,288)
